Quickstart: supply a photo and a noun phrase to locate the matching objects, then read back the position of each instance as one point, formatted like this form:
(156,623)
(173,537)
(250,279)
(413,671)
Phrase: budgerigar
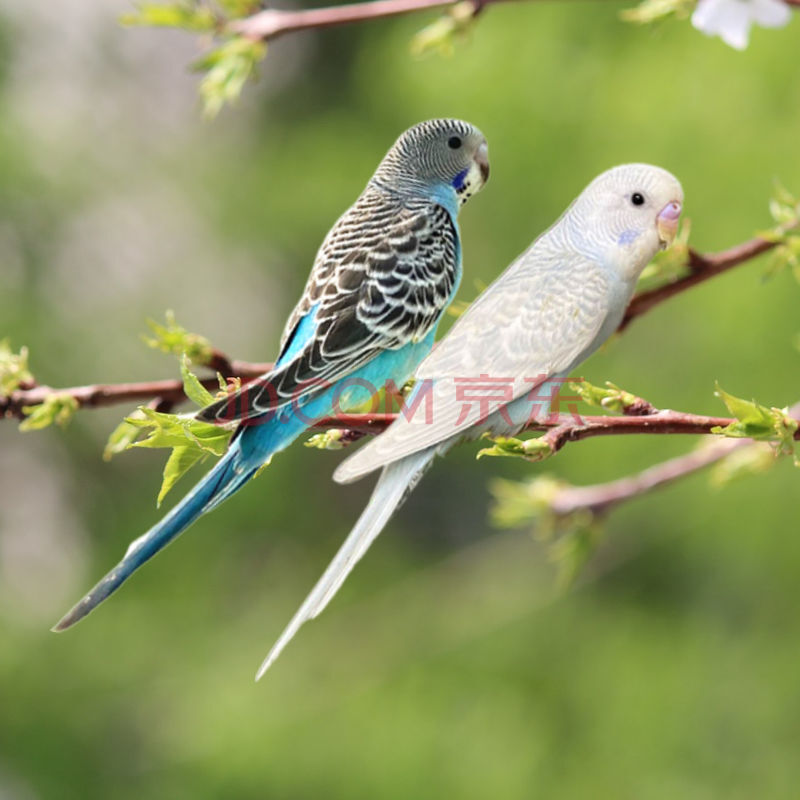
(381,279)
(551,309)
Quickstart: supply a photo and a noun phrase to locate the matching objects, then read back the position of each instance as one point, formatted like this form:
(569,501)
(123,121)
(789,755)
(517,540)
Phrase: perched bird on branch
(381,280)
(548,312)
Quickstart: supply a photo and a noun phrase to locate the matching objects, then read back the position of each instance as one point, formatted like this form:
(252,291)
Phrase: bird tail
(242,460)
(396,482)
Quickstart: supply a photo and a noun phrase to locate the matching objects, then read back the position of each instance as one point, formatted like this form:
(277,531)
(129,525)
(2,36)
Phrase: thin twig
(663,422)
(98,395)
(274,22)
(702,268)
(558,433)
(602,496)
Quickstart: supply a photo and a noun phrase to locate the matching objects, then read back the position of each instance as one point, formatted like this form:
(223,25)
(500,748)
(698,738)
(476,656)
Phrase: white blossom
(731,19)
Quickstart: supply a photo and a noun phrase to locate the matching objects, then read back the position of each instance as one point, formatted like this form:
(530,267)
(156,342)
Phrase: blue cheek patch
(458,182)
(628,237)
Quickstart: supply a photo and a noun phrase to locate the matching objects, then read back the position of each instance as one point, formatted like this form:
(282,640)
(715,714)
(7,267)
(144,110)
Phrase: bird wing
(542,316)
(381,279)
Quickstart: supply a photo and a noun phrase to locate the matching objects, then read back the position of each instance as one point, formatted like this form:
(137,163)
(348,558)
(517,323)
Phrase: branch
(671,422)
(99,395)
(702,268)
(601,497)
(558,433)
(274,22)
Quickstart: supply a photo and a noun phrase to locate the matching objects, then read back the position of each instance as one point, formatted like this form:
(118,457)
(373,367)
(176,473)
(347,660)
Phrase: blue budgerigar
(381,279)
(548,312)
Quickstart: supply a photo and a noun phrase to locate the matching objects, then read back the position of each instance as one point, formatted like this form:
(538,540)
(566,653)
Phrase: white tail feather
(390,490)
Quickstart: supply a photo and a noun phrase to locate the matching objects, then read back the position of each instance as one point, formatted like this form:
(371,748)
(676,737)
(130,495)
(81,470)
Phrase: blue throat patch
(628,237)
(458,182)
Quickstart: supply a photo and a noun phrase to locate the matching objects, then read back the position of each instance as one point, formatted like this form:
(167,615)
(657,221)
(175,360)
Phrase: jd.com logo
(541,403)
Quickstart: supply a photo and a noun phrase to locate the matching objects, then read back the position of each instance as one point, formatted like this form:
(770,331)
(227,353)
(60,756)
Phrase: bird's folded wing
(537,320)
(381,279)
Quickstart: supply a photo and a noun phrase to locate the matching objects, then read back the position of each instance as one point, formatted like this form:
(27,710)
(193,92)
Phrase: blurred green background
(448,666)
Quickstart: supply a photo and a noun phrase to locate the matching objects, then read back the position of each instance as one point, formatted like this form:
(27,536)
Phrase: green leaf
(440,36)
(786,255)
(535,449)
(785,210)
(192,387)
(235,9)
(180,461)
(771,235)
(747,411)
(781,213)
(572,537)
(743,462)
(122,437)
(518,503)
(783,195)
(175,339)
(191,441)
(14,370)
(657,10)
(227,69)
(57,408)
(327,440)
(189,16)
(755,421)
(160,429)
(784,206)
(611,398)
(178,430)
(229,65)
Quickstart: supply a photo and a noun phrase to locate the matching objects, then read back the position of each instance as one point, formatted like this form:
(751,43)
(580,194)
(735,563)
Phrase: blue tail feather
(247,453)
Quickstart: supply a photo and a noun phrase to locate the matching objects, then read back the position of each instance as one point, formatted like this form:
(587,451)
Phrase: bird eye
(454,142)
(637,199)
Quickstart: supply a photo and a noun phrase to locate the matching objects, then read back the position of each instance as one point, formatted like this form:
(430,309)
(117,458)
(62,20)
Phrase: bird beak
(667,223)
(482,160)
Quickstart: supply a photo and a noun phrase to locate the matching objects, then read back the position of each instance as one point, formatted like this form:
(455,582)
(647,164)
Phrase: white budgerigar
(550,310)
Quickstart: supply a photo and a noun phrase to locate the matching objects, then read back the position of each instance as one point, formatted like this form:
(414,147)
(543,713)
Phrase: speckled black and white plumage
(382,278)
(383,275)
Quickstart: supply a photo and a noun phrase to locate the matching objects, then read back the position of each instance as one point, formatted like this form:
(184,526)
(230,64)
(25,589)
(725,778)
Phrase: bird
(382,278)
(549,311)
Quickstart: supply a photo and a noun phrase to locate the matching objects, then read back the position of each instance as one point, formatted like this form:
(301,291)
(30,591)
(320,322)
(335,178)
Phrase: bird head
(440,156)
(629,213)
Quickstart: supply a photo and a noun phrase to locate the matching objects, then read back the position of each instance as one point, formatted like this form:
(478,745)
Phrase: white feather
(392,486)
